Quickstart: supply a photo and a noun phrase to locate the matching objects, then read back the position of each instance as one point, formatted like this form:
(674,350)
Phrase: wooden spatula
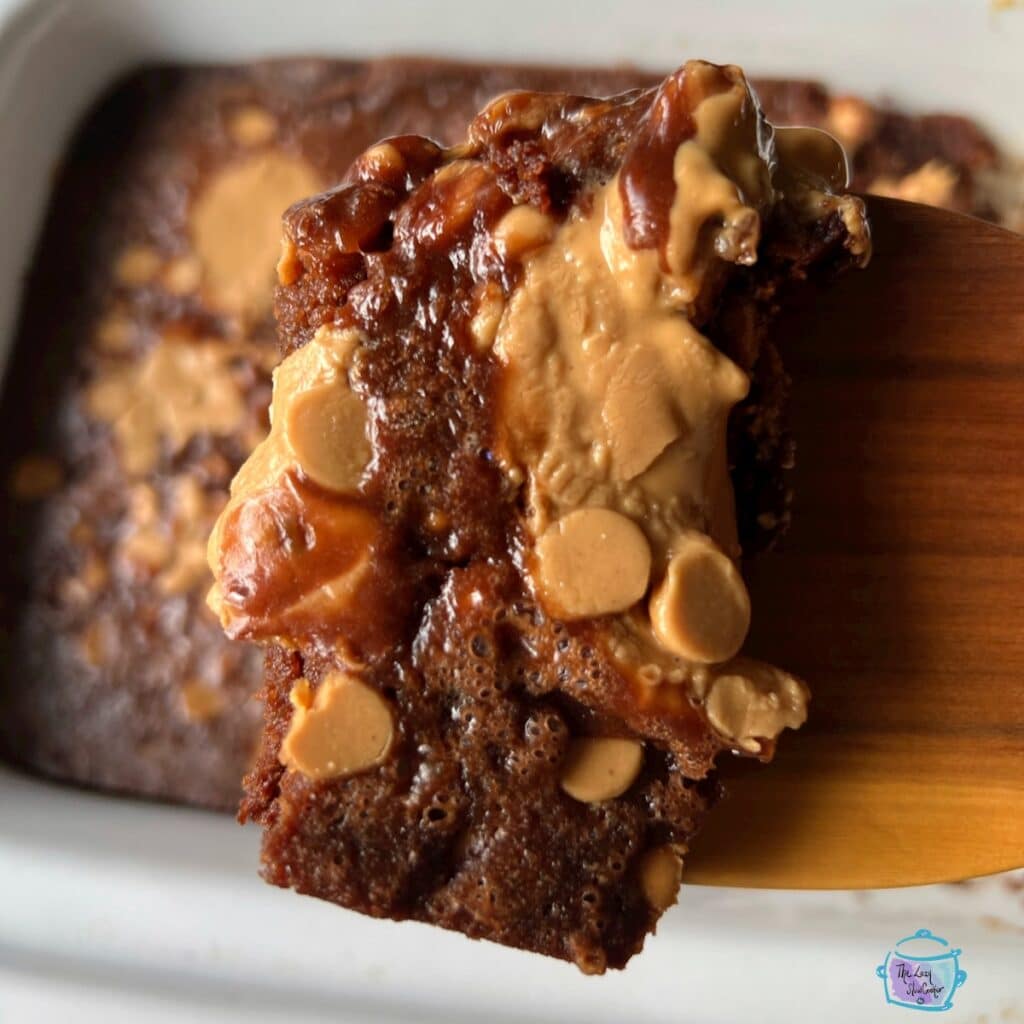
(899,592)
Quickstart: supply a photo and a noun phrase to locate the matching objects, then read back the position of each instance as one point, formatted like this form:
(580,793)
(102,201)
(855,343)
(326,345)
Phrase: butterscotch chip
(598,769)
(34,477)
(252,126)
(661,874)
(344,728)
(701,611)
(137,265)
(326,429)
(592,562)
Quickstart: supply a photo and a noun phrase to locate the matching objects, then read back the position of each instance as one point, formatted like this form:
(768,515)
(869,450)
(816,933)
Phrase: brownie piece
(132,685)
(491,539)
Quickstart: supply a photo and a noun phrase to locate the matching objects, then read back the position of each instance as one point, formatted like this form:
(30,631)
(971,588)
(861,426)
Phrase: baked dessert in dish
(108,500)
(492,538)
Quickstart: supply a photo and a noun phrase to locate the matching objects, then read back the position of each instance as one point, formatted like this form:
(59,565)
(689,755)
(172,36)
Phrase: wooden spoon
(898,594)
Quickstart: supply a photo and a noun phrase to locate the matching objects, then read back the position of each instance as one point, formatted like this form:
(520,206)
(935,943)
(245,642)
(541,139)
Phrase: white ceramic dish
(112,909)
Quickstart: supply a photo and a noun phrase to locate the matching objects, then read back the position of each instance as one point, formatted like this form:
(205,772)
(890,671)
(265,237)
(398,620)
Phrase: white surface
(157,911)
(116,910)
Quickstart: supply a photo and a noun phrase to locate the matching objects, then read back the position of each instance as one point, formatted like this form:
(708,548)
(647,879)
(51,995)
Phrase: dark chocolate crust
(96,657)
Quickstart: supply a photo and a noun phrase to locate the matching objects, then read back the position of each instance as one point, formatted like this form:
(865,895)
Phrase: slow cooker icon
(921,972)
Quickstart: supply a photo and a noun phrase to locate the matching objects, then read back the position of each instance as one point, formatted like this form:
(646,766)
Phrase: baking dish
(110,904)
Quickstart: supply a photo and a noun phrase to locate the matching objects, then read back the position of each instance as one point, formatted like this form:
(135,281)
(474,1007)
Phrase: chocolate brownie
(154,268)
(491,538)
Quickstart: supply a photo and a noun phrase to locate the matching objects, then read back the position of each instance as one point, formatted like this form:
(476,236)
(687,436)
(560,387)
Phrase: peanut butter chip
(592,562)
(701,611)
(236,228)
(346,727)
(601,769)
(661,873)
(755,702)
(326,429)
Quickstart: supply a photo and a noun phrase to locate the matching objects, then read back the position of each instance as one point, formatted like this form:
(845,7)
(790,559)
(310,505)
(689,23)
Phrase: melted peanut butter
(181,388)
(318,433)
(611,398)
(235,228)
(615,405)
